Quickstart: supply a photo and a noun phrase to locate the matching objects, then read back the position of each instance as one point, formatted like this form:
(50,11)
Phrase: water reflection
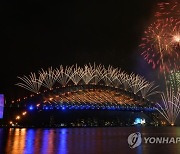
(139,149)
(38,141)
(30,137)
(62,141)
(82,141)
(45,139)
(16,141)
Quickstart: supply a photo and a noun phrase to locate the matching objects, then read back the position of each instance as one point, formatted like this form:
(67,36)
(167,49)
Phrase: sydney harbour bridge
(73,90)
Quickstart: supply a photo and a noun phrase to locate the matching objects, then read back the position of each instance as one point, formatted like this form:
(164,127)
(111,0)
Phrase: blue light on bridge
(63,108)
(95,107)
(31,107)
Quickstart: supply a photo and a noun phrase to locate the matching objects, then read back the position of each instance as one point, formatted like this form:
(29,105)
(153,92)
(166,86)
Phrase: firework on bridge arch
(88,75)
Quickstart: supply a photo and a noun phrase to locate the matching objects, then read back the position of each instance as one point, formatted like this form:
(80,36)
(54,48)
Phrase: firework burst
(160,46)
(168,9)
(63,75)
(137,83)
(89,74)
(31,82)
(170,106)
(174,80)
(49,76)
(77,74)
(94,75)
(148,90)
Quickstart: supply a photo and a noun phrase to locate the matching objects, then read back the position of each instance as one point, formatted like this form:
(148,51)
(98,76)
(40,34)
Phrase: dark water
(84,141)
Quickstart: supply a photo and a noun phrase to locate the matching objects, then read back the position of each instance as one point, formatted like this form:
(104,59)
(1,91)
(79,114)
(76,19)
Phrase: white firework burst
(96,75)
(116,81)
(77,74)
(31,82)
(110,74)
(49,76)
(169,108)
(148,90)
(89,74)
(99,73)
(137,83)
(63,75)
(124,78)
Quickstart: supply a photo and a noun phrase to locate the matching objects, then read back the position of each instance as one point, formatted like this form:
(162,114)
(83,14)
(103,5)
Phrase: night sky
(38,34)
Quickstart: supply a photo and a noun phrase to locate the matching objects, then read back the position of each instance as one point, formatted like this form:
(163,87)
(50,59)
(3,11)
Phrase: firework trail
(148,90)
(31,82)
(170,106)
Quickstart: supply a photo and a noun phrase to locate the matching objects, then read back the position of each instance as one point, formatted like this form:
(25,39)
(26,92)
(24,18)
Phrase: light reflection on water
(62,148)
(83,140)
(30,137)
